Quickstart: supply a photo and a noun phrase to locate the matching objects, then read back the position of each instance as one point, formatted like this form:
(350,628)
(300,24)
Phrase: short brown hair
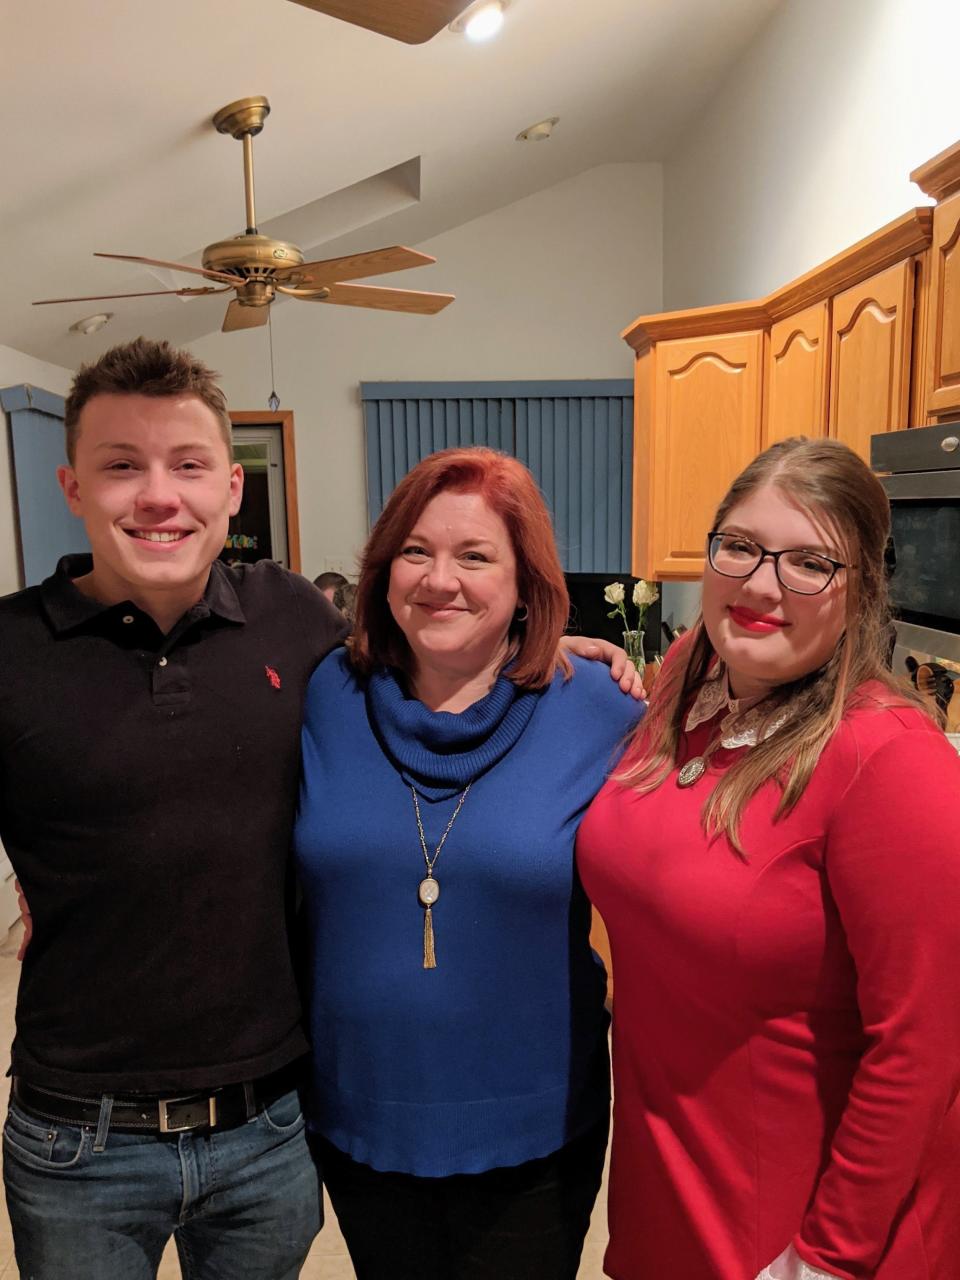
(144,367)
(510,490)
(330,578)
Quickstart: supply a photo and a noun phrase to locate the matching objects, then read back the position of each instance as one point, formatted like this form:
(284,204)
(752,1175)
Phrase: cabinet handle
(949,443)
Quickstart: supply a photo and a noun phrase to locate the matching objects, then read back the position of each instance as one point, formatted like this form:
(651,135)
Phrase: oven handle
(938,644)
(922,485)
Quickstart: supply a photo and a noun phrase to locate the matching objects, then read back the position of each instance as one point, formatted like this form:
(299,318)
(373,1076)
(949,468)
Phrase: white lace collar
(742,721)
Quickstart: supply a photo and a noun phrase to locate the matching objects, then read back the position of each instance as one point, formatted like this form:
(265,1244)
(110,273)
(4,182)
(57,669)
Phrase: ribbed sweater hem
(440,1139)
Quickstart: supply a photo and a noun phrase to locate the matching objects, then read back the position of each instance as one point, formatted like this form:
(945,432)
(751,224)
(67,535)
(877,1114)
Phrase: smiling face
(453,586)
(155,488)
(764,633)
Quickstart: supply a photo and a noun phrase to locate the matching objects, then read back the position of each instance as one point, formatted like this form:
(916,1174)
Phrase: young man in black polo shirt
(149,746)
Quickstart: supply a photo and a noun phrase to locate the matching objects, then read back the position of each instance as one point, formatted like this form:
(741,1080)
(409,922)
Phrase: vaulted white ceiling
(108,143)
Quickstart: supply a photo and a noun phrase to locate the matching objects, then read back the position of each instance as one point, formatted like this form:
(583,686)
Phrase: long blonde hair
(829,481)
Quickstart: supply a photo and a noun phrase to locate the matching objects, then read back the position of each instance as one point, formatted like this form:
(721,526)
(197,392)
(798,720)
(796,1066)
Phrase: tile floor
(328,1258)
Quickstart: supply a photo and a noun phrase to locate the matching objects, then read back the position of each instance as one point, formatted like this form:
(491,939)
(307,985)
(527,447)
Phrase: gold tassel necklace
(429,890)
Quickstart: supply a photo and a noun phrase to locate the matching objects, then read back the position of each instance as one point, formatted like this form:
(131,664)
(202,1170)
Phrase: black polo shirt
(147,792)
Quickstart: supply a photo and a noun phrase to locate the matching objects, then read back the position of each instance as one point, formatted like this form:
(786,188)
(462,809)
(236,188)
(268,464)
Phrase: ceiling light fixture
(92,324)
(481,21)
(540,131)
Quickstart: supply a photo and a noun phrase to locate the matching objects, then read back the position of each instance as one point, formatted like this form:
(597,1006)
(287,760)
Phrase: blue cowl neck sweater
(498,1055)
(440,753)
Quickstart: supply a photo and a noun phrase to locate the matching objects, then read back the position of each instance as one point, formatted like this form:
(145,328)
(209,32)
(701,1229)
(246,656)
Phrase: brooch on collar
(744,724)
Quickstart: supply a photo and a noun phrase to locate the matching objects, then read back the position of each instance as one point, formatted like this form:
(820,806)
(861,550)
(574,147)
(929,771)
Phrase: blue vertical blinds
(576,438)
(47,529)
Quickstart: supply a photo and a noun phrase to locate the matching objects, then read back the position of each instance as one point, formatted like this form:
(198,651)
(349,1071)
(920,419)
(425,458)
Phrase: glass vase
(633,643)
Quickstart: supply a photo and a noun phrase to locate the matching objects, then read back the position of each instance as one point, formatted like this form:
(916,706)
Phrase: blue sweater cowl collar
(440,752)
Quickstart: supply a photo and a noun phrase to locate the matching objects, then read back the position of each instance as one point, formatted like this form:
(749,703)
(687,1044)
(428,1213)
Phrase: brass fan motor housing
(256,293)
(254,257)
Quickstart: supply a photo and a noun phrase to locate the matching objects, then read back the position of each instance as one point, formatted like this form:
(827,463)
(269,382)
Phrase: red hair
(509,489)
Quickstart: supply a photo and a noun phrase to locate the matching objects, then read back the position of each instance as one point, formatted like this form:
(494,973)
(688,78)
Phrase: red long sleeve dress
(787,1028)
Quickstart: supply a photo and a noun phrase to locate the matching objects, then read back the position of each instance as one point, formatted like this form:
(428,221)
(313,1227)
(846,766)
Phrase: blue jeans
(243,1204)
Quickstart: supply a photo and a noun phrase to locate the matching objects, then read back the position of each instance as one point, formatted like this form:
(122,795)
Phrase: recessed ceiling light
(92,324)
(540,131)
(481,21)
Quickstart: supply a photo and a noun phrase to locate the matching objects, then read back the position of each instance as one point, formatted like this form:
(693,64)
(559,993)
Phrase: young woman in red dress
(778,866)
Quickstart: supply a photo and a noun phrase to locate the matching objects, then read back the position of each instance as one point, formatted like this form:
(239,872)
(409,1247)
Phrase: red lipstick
(762,623)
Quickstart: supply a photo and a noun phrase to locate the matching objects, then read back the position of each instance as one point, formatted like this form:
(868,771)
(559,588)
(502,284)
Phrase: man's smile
(159,535)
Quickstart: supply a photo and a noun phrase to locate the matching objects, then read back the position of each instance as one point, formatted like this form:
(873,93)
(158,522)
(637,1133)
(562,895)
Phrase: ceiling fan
(412,21)
(257,267)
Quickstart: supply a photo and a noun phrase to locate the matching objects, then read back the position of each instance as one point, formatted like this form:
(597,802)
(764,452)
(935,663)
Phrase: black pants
(521,1223)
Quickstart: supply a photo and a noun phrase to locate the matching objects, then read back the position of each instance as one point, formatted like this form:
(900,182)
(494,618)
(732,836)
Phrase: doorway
(266,527)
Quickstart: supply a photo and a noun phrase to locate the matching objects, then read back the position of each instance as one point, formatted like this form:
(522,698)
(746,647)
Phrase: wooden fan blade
(172,266)
(369,295)
(240,317)
(153,293)
(376,262)
(412,21)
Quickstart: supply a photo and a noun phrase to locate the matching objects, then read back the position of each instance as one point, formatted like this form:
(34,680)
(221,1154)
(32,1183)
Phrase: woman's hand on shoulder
(622,669)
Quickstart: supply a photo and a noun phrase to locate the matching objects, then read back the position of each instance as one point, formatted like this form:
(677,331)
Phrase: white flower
(645,593)
(614,593)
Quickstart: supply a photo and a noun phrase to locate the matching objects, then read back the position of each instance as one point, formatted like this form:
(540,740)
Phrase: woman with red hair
(460,1073)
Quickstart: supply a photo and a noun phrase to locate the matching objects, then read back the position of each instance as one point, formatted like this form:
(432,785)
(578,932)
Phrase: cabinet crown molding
(911,233)
(733,317)
(940,176)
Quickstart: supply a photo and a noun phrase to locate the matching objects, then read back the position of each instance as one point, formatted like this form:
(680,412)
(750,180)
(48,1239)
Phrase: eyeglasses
(805,572)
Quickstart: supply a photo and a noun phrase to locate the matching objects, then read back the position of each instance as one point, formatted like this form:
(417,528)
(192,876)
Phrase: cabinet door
(601,945)
(796,398)
(943,314)
(704,429)
(870,357)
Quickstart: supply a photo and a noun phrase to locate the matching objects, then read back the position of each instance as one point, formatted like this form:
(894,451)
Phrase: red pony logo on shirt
(273,677)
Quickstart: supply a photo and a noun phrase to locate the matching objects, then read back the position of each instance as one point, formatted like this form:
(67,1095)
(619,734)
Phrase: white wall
(808,144)
(17,368)
(543,288)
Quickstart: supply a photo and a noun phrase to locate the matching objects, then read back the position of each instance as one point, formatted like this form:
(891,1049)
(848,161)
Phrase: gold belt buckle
(167,1127)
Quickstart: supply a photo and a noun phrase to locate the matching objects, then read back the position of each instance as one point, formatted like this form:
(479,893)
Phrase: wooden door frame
(284,419)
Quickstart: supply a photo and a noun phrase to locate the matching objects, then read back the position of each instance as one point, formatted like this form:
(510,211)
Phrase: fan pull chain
(273,400)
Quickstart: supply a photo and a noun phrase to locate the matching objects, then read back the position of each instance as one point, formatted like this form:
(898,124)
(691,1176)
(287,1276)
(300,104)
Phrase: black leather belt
(223,1108)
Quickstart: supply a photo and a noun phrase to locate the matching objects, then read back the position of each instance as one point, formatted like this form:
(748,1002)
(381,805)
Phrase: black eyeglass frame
(836,565)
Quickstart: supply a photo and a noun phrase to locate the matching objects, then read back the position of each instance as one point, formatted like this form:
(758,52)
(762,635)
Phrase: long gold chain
(429,890)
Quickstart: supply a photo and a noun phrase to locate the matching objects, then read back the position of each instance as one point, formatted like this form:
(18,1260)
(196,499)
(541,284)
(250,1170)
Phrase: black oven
(921,474)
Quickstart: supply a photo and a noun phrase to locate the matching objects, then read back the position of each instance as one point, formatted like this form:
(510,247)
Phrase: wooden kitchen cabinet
(797,375)
(867,342)
(937,377)
(600,942)
(870,350)
(943,313)
(704,427)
